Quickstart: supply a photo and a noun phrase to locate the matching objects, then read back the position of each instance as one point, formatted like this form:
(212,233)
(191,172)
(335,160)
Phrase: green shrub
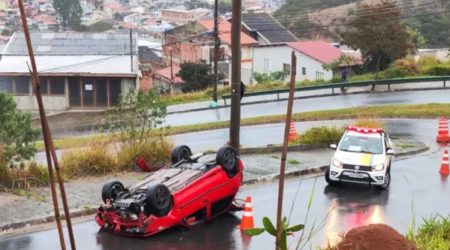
(395,72)
(336,80)
(437,70)
(155,151)
(87,162)
(408,65)
(425,61)
(320,135)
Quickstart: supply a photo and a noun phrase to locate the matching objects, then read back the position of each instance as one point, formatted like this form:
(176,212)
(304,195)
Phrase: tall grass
(87,162)
(320,135)
(433,234)
(154,152)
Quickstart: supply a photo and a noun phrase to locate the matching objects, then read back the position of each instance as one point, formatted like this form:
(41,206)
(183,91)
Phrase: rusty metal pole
(216,48)
(36,85)
(235,115)
(284,149)
(47,136)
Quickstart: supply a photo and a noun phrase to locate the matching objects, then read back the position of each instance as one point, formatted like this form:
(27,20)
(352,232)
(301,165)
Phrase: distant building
(265,29)
(193,42)
(77,70)
(167,81)
(311,56)
(183,16)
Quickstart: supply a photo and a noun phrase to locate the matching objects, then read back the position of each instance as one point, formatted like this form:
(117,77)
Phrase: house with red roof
(194,42)
(311,56)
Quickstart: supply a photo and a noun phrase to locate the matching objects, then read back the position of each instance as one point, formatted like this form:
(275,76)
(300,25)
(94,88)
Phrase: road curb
(47,219)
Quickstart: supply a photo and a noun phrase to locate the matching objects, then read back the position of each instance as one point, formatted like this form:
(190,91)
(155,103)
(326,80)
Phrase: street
(416,185)
(312,104)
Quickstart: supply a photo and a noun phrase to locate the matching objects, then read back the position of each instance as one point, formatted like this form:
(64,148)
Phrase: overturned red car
(189,191)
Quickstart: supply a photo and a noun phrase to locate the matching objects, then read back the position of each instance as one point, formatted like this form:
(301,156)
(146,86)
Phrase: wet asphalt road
(313,104)
(417,190)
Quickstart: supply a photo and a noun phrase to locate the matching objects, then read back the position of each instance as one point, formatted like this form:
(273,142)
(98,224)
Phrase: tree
(16,135)
(224,7)
(379,34)
(197,76)
(136,115)
(69,13)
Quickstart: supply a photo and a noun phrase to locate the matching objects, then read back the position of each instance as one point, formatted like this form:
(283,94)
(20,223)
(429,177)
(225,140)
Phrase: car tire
(387,180)
(158,201)
(111,190)
(228,159)
(180,153)
(327,177)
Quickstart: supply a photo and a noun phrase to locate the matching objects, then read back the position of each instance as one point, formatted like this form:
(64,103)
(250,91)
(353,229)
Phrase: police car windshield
(361,144)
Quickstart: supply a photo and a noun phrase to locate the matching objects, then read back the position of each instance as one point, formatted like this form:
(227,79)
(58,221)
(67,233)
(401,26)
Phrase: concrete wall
(51,103)
(275,56)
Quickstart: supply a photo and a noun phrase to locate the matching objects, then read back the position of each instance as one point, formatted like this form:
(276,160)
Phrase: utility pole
(235,115)
(131,50)
(284,149)
(48,142)
(216,48)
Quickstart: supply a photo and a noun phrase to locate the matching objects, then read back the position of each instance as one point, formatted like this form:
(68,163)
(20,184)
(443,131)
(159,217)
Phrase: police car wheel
(387,180)
(327,177)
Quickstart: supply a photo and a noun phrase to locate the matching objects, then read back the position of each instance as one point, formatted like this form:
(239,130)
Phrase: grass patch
(23,177)
(320,135)
(275,157)
(155,151)
(293,162)
(96,160)
(417,111)
(434,234)
(86,162)
(368,123)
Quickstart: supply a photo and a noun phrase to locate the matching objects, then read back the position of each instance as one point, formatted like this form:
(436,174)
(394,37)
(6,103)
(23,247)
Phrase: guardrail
(333,86)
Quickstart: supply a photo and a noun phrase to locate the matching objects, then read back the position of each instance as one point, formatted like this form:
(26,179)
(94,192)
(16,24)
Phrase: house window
(22,85)
(43,83)
(303,71)
(287,68)
(57,86)
(6,84)
(267,65)
(319,75)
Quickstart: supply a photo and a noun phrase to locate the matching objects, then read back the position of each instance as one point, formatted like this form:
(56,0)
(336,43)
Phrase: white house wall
(275,56)
(51,103)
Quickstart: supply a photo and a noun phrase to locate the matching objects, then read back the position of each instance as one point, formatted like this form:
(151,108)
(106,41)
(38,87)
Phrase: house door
(87,85)
(74,92)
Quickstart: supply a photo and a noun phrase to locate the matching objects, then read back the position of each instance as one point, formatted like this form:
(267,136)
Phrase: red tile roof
(225,31)
(165,72)
(319,50)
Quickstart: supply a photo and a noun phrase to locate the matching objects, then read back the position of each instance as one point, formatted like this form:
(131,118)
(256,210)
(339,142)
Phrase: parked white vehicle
(363,155)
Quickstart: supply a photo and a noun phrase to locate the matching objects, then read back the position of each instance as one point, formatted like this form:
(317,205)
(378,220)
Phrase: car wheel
(158,201)
(387,180)
(180,153)
(327,177)
(111,190)
(227,158)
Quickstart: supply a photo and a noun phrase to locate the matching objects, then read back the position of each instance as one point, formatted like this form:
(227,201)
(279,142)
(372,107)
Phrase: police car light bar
(365,130)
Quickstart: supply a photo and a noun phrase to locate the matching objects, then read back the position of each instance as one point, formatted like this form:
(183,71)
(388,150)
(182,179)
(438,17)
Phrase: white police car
(363,155)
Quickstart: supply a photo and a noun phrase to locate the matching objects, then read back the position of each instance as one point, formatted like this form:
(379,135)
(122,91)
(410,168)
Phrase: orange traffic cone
(444,164)
(443,136)
(247,218)
(292,132)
